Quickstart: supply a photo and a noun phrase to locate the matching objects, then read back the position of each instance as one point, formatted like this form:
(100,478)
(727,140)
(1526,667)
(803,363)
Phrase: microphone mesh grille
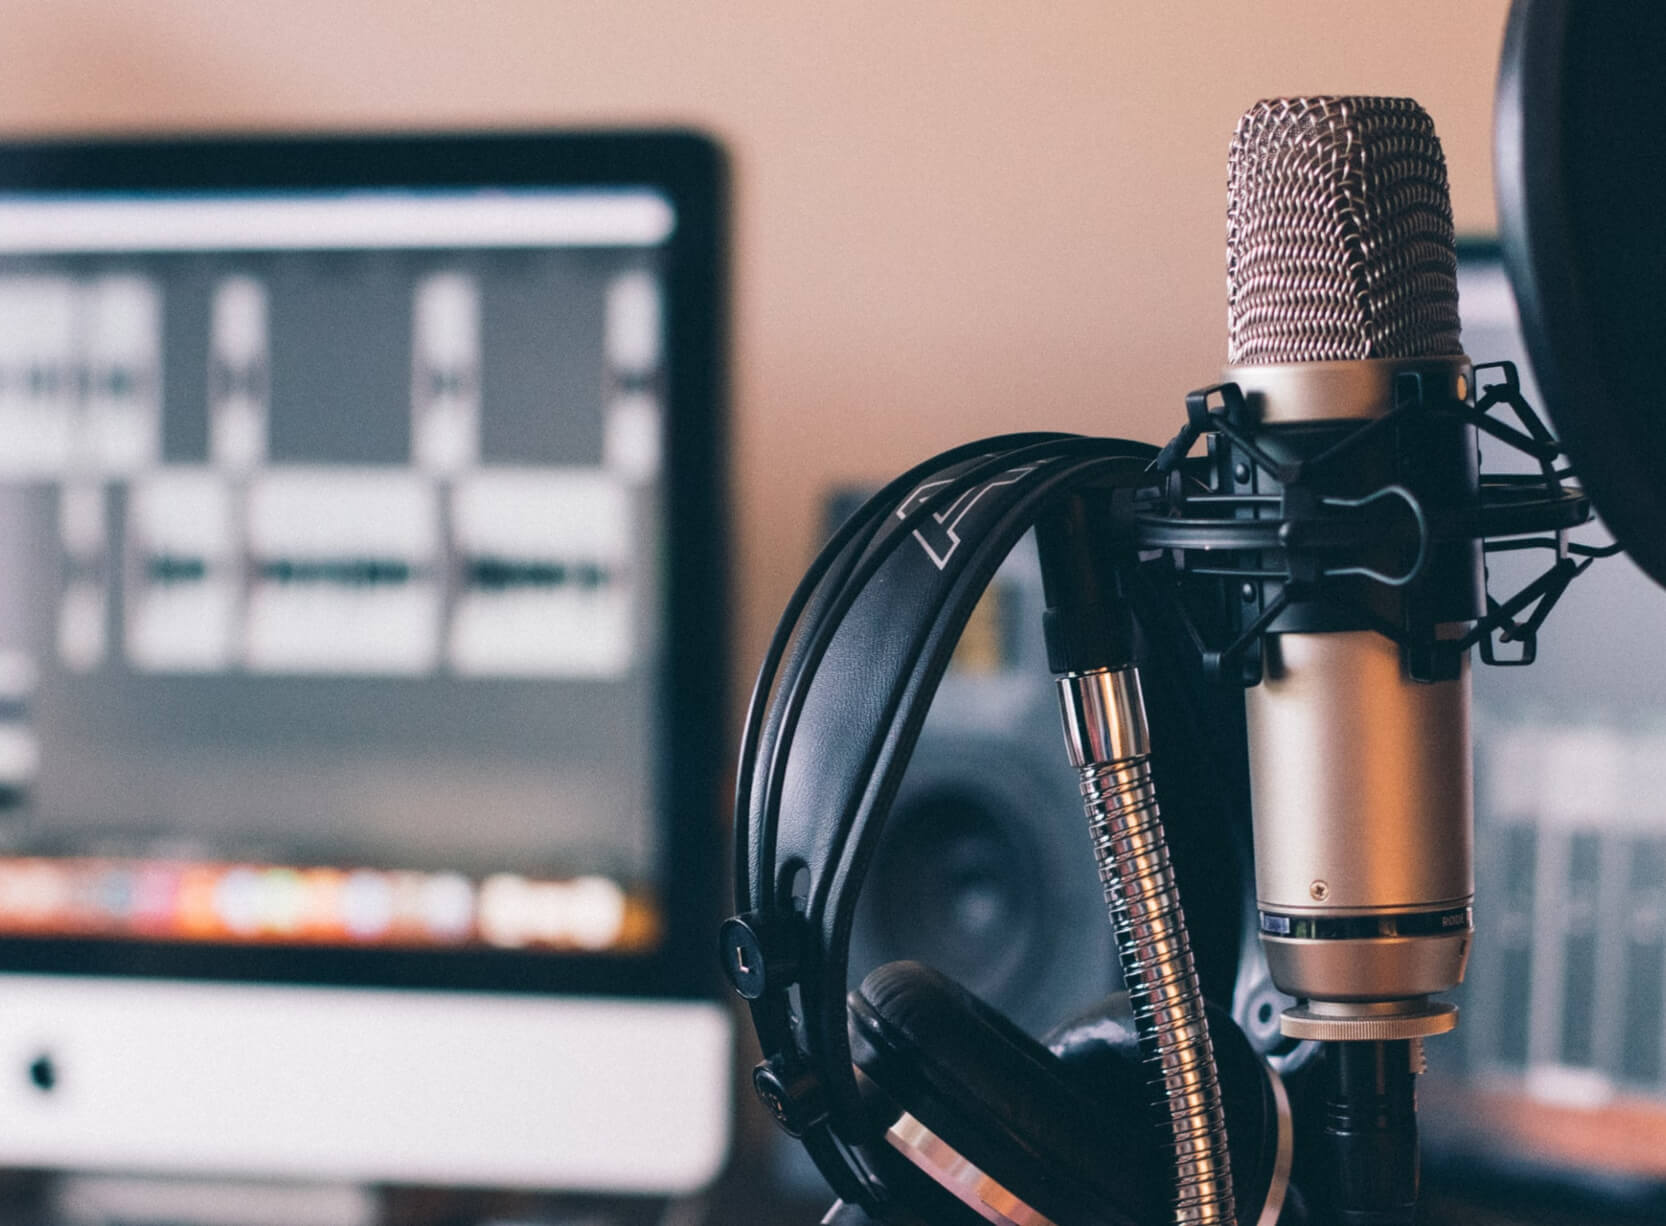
(1338,233)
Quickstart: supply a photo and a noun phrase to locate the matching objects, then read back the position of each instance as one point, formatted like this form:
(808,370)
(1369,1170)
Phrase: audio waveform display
(446,562)
(167,569)
(502,574)
(344,572)
(80,375)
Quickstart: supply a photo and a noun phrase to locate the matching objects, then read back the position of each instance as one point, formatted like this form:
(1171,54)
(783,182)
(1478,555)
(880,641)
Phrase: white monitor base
(364,1085)
(103,1200)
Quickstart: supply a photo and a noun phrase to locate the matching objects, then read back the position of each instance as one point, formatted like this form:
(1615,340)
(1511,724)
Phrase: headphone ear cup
(1002,1102)
(1100,1052)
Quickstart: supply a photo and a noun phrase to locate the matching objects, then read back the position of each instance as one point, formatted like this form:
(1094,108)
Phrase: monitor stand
(88,1199)
(104,1200)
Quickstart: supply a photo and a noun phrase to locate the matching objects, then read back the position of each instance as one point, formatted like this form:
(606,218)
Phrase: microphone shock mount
(1259,517)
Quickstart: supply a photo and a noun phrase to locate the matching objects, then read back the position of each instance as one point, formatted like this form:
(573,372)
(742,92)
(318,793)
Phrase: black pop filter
(1580,146)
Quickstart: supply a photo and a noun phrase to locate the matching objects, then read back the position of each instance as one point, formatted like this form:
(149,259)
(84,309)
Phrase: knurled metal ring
(1300,1022)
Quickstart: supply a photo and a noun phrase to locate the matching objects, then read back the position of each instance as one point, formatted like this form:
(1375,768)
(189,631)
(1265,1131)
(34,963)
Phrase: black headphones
(921,1104)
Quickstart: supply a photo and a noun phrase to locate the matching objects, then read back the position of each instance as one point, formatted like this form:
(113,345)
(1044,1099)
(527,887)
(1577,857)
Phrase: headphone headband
(889,599)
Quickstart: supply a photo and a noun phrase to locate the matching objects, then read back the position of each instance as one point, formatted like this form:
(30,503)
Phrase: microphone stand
(1368,1146)
(1089,627)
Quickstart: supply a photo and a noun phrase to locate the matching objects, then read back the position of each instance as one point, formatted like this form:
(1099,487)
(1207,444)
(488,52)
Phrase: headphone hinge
(793,1096)
(761,952)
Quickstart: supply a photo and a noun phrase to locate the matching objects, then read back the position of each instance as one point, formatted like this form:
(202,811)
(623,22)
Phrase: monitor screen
(360,564)
(330,537)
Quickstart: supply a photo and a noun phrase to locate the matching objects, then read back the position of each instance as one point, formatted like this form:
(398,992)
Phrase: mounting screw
(1248,593)
(1262,1017)
(759,953)
(1241,474)
(1320,891)
(793,1098)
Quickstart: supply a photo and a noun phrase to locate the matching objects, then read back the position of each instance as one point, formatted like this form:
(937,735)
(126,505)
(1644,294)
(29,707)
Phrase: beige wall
(952,219)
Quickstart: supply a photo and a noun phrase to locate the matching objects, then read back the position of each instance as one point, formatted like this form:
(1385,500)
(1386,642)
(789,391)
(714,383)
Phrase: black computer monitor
(361,657)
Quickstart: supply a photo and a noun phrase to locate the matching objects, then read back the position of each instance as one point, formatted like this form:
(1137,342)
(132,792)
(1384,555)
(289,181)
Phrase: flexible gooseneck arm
(1105,729)
(1089,626)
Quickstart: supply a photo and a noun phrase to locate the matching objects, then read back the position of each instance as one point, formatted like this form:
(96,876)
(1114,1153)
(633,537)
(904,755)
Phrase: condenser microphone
(1342,313)
(1342,302)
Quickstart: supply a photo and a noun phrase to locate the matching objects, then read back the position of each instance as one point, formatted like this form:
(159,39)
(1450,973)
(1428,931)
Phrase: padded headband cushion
(1001,1099)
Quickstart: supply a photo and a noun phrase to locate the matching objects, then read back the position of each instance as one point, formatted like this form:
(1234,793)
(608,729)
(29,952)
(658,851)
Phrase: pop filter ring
(1579,109)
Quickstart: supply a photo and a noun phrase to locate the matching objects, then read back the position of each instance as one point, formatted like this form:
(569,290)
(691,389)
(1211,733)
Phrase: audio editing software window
(329,535)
